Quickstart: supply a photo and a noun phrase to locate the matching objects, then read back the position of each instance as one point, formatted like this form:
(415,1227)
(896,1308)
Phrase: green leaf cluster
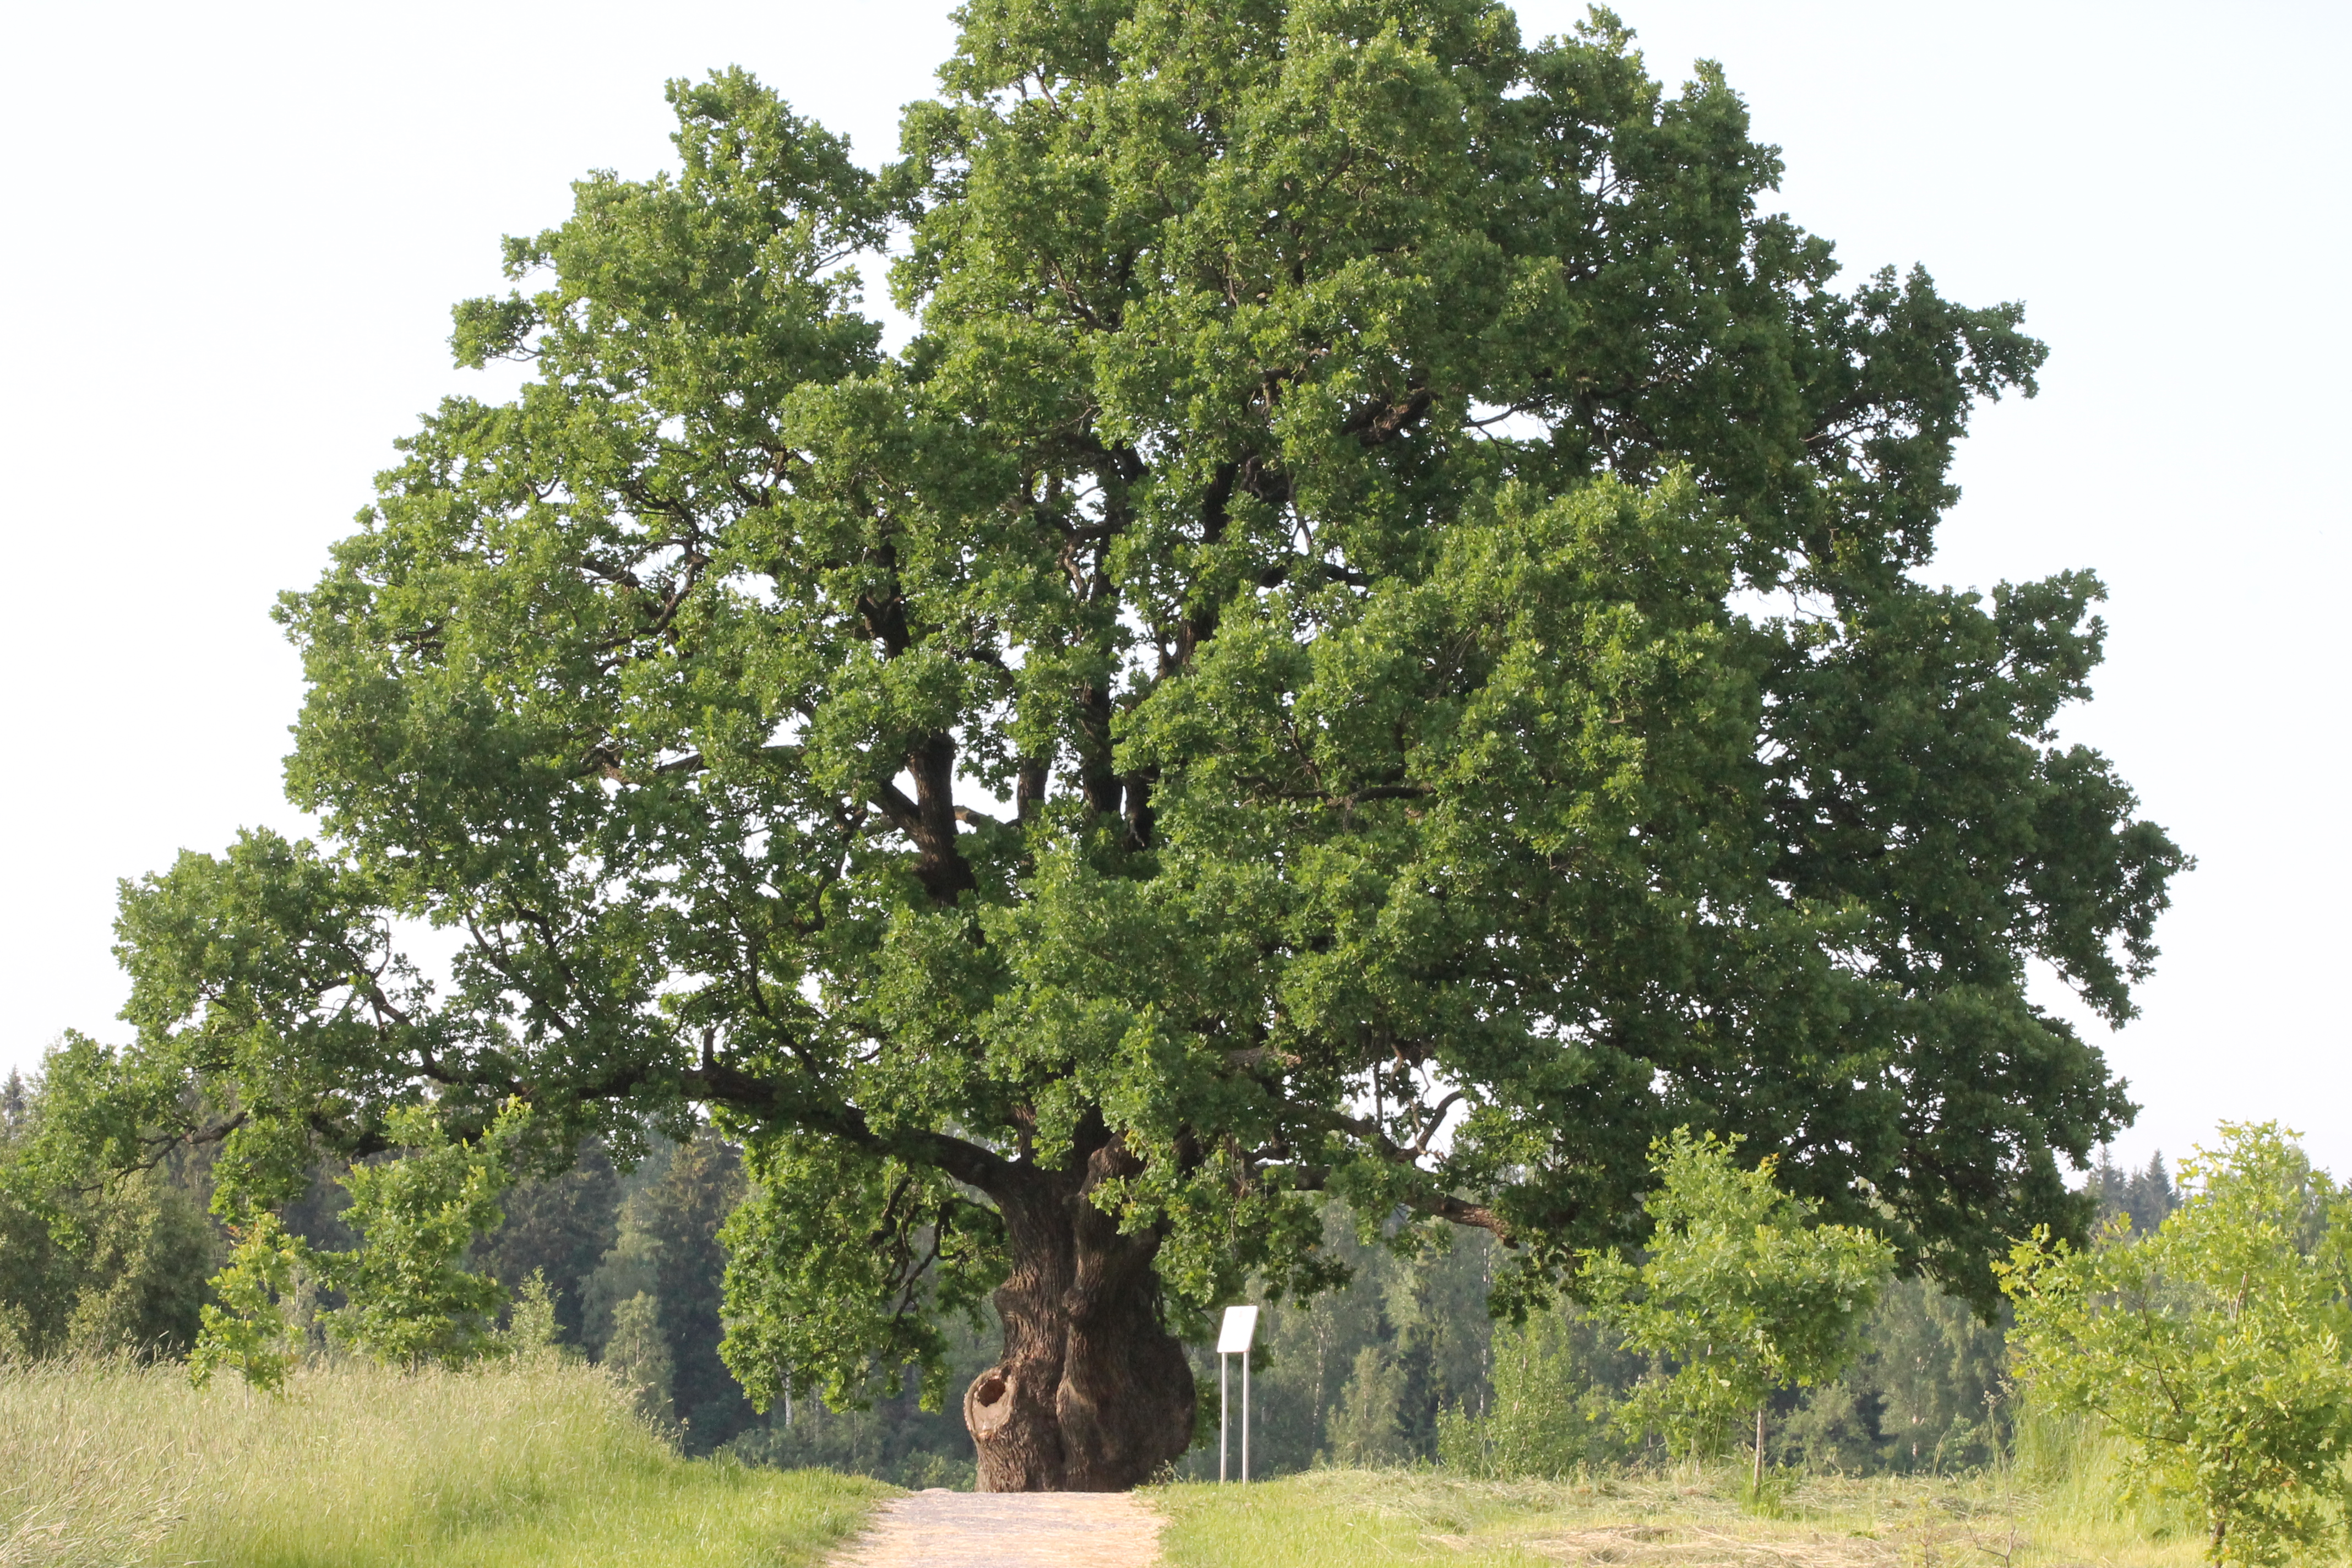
(251,1326)
(1739,1292)
(843,1270)
(2220,1347)
(1548,1415)
(92,1266)
(408,1298)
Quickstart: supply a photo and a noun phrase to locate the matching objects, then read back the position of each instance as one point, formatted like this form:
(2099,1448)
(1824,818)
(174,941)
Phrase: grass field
(356,1467)
(1338,1519)
(542,1465)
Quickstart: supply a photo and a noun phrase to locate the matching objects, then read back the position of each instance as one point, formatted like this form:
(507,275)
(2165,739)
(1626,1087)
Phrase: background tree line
(1402,1365)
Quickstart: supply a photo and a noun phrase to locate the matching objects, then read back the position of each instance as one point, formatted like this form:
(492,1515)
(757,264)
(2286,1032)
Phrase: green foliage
(1325,505)
(1927,1391)
(2081,1478)
(2145,1196)
(1738,1289)
(559,1228)
(841,1265)
(1364,1430)
(409,1298)
(666,1246)
(99,1263)
(1369,1370)
(598,1237)
(702,1183)
(119,1268)
(2216,1347)
(532,1331)
(892,1440)
(637,1355)
(146,1252)
(1551,1415)
(890,1437)
(252,1328)
(632,1265)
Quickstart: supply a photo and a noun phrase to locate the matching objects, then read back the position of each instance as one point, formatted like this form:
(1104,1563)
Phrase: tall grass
(2079,1483)
(73,1490)
(536,1463)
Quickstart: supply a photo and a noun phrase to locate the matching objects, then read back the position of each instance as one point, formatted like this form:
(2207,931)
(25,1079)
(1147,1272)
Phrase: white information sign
(1233,1336)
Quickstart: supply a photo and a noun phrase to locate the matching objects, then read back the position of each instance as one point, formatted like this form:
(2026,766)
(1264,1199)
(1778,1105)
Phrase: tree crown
(1365,644)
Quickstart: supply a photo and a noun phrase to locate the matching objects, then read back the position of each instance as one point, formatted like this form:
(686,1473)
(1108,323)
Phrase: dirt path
(939,1529)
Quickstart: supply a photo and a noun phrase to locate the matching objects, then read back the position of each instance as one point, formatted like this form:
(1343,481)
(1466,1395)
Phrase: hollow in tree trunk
(1092,1393)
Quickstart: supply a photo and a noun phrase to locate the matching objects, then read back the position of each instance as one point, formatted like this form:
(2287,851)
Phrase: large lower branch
(1435,1203)
(773,1101)
(1444,1205)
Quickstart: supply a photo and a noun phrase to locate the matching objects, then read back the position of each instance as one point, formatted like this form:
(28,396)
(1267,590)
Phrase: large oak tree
(1367,643)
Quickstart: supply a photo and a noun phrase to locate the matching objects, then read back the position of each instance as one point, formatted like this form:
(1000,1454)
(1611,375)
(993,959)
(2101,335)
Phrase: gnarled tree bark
(1093,1393)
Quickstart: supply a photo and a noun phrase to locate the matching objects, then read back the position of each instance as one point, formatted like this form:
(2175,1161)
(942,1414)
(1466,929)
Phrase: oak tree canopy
(1369,641)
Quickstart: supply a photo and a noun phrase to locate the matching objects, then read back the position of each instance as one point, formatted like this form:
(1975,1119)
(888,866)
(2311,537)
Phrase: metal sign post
(1234,1338)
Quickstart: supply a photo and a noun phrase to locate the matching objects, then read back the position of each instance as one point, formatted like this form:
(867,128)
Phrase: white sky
(239,228)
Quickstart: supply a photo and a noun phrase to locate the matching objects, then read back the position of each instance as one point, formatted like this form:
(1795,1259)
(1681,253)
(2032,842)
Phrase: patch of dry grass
(1326,1519)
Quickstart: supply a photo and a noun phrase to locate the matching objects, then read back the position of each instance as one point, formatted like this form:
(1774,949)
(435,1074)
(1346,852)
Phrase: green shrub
(1739,1290)
(94,1268)
(1549,1414)
(2215,1348)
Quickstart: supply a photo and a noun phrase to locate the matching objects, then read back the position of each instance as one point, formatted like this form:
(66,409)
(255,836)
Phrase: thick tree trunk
(1093,1393)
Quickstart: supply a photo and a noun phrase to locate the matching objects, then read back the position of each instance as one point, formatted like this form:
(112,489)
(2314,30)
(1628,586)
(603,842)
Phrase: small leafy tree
(411,1299)
(533,1334)
(1740,1291)
(252,1327)
(1552,1408)
(2216,1347)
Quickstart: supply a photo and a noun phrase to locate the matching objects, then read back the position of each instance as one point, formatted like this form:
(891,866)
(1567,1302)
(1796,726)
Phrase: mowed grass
(1327,1519)
(353,1466)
